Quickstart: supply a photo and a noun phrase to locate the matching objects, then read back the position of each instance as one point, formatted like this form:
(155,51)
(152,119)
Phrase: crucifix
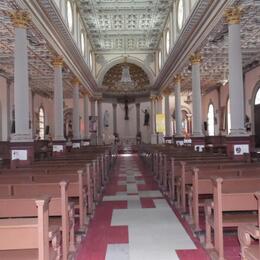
(126,110)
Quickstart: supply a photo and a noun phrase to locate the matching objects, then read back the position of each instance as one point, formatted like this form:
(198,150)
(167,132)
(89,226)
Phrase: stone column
(21,21)
(58,99)
(168,130)
(138,127)
(196,96)
(75,118)
(178,115)
(100,121)
(86,116)
(92,106)
(236,89)
(153,111)
(114,118)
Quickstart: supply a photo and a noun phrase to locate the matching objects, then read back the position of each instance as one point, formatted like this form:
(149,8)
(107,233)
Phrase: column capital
(75,82)
(159,97)
(114,105)
(92,99)
(178,78)
(167,92)
(20,18)
(232,15)
(196,58)
(57,61)
(153,98)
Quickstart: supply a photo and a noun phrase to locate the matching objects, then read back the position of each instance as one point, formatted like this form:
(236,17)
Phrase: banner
(160,123)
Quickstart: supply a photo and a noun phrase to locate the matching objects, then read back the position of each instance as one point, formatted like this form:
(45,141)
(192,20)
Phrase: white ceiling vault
(124,25)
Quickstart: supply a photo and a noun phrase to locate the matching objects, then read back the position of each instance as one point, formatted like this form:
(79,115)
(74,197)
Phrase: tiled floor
(135,222)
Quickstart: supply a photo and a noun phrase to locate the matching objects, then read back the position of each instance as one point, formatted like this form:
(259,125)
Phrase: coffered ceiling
(214,50)
(124,25)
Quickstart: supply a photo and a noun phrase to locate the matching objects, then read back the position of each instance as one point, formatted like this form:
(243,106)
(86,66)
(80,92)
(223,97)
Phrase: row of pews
(213,193)
(45,209)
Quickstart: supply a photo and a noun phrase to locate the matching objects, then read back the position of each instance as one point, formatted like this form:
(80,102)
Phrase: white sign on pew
(19,155)
(86,143)
(76,145)
(199,147)
(240,149)
(187,141)
(57,148)
(180,143)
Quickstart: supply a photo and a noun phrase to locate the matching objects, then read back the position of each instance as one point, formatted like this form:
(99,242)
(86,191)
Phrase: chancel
(129,129)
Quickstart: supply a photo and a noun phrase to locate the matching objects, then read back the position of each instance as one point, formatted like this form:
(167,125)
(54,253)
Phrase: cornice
(50,23)
(205,16)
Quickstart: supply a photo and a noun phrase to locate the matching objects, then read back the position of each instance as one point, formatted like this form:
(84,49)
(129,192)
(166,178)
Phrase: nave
(135,221)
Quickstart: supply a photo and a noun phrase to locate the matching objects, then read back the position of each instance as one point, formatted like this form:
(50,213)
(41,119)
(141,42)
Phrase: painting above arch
(138,83)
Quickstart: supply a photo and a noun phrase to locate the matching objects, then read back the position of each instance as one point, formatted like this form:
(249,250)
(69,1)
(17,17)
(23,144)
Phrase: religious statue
(146,117)
(126,110)
(106,119)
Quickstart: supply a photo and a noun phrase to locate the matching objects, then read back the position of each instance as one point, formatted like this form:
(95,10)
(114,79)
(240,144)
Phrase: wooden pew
(33,233)
(58,206)
(230,196)
(247,233)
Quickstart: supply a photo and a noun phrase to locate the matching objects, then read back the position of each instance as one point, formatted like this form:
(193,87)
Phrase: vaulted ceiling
(124,24)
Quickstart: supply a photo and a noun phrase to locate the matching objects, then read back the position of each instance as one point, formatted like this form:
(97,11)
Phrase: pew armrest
(246,234)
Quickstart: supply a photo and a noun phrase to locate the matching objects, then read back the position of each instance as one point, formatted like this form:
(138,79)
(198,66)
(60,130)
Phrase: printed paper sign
(240,149)
(199,148)
(19,155)
(57,148)
(86,143)
(187,141)
(180,143)
(76,145)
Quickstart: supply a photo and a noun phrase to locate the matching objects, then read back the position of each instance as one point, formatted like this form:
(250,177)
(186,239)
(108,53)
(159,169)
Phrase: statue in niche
(146,117)
(126,110)
(106,119)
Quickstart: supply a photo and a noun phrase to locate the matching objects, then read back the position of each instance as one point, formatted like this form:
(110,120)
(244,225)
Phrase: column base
(198,142)
(238,146)
(22,154)
(153,138)
(93,139)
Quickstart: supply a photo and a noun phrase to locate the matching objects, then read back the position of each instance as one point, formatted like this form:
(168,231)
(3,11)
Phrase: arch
(210,120)
(255,92)
(119,60)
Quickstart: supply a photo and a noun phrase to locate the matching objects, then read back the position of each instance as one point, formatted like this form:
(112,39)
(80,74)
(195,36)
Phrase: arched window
(257,97)
(90,61)
(211,130)
(180,14)
(69,14)
(167,41)
(228,116)
(160,59)
(41,123)
(82,42)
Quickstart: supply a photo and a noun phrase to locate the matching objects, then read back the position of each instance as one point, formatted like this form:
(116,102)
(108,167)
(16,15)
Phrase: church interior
(129,129)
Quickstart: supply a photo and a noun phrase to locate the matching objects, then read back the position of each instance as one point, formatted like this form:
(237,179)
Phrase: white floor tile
(117,252)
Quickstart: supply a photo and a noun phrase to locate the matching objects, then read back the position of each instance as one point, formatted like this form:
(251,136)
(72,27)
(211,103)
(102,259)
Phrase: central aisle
(135,222)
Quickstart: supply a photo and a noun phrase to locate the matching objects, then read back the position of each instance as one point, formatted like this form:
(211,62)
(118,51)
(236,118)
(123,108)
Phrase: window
(211,120)
(90,60)
(82,42)
(167,41)
(180,14)
(41,123)
(160,59)
(228,116)
(69,15)
(257,97)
